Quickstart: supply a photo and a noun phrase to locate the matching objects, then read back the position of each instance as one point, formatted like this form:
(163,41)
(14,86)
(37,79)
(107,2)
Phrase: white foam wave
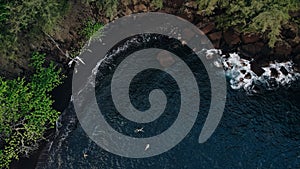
(241,76)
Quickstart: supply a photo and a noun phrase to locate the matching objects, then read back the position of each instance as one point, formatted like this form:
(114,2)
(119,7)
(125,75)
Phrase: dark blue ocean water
(261,131)
(256,132)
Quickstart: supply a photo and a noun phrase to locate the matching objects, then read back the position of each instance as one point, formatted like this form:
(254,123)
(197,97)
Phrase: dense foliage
(263,16)
(25,110)
(26,18)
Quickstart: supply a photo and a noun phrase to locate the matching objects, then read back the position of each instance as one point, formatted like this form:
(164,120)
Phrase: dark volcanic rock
(206,28)
(284,71)
(297,49)
(174,3)
(231,37)
(266,49)
(282,52)
(293,42)
(185,16)
(252,49)
(290,31)
(274,72)
(282,48)
(248,76)
(296,61)
(168,10)
(258,63)
(215,36)
(280,58)
(250,38)
(216,43)
(243,71)
(257,69)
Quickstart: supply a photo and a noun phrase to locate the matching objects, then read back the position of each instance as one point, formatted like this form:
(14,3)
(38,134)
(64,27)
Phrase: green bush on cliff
(91,27)
(263,16)
(25,110)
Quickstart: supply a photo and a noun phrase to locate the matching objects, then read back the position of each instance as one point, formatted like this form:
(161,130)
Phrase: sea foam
(241,76)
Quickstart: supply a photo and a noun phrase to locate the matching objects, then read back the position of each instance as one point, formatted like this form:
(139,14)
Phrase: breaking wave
(241,76)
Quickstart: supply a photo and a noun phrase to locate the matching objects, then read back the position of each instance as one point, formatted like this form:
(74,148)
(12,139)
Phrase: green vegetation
(157,3)
(25,110)
(90,28)
(263,16)
(108,7)
(26,18)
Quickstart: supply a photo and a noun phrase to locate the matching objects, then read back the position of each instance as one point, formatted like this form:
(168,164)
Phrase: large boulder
(231,37)
(250,38)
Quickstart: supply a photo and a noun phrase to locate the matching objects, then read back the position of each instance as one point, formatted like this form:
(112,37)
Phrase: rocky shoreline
(251,46)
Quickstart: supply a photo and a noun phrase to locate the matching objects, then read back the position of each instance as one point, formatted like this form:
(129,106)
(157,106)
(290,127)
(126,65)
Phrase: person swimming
(138,130)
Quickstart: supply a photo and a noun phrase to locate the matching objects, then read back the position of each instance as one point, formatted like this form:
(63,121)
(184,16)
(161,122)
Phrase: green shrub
(25,110)
(263,16)
(157,3)
(90,28)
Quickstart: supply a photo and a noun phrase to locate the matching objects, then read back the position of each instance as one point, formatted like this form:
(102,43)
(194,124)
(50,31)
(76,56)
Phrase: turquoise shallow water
(258,131)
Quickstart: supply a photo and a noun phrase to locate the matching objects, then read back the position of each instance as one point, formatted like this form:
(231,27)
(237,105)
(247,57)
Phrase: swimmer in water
(138,130)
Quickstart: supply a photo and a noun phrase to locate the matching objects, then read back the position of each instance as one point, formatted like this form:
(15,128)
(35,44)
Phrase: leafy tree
(25,110)
(30,16)
(262,16)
